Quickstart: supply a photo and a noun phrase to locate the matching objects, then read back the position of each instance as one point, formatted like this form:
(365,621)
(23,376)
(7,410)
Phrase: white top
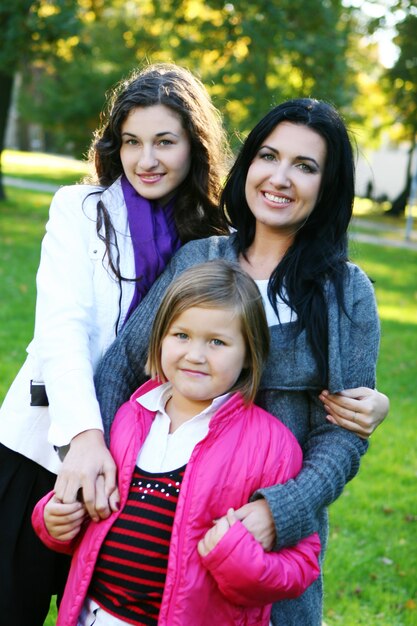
(285,313)
(77,307)
(163,451)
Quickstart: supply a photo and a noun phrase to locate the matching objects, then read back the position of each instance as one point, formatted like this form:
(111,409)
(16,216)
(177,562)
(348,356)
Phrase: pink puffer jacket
(235,584)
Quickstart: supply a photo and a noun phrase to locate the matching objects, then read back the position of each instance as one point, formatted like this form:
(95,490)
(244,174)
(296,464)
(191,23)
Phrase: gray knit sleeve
(331,453)
(331,458)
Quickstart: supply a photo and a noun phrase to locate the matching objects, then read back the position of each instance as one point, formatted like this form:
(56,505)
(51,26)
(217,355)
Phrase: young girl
(189,445)
(158,161)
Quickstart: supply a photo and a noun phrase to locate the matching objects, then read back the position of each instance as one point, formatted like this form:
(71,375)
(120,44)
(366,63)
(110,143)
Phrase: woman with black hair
(289,198)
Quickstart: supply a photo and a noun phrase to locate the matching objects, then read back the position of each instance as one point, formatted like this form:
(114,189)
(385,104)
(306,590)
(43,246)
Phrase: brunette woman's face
(155,151)
(284,178)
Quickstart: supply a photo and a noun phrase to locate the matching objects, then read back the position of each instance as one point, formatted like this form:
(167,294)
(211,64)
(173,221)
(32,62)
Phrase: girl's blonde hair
(216,284)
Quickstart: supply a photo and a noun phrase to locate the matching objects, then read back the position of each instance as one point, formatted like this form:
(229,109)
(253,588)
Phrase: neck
(180,410)
(264,254)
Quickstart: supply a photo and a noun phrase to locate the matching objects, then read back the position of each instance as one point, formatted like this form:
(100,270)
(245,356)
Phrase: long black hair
(319,251)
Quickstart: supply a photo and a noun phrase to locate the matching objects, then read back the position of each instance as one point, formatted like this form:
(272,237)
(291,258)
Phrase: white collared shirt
(163,451)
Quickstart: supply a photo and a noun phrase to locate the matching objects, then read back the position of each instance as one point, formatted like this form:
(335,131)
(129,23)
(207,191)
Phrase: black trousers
(30,573)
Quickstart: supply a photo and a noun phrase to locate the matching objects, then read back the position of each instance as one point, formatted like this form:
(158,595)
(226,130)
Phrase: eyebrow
(299,157)
(161,134)
(183,329)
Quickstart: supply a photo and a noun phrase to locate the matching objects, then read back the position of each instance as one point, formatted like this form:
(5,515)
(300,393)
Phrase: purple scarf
(154,238)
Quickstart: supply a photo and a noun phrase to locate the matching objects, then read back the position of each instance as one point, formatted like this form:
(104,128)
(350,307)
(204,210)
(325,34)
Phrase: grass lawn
(371,564)
(42,167)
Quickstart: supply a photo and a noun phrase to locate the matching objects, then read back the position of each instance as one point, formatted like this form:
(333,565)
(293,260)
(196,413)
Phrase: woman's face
(155,151)
(284,178)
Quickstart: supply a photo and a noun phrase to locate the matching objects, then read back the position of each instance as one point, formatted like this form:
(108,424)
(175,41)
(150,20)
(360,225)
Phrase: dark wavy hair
(196,209)
(319,251)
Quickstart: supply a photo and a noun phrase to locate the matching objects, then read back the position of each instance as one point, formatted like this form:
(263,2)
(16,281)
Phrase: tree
(250,56)
(67,92)
(258,53)
(401,83)
(29,28)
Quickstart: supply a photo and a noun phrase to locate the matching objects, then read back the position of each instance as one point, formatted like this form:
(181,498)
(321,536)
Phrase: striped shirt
(131,569)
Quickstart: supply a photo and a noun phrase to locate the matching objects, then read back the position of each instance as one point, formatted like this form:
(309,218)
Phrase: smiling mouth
(276,199)
(150,178)
(196,373)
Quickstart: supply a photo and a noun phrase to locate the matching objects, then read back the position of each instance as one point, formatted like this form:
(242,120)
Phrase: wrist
(92,436)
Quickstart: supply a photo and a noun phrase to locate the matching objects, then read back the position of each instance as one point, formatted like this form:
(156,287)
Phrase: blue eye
(217,342)
(267,156)
(305,168)
(182,336)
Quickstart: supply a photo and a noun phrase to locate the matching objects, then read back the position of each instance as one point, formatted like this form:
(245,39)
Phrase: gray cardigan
(289,389)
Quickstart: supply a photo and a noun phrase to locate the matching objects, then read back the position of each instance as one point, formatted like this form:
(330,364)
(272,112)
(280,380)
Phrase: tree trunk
(399,204)
(6,89)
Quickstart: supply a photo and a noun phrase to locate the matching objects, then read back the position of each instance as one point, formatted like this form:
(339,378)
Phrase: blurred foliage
(401,79)
(250,55)
(32,28)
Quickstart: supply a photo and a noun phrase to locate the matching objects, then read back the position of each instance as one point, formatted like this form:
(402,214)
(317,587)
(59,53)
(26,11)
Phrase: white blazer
(77,309)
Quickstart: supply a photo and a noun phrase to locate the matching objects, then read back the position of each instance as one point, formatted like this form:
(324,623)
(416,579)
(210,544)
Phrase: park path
(29,184)
(398,231)
(399,242)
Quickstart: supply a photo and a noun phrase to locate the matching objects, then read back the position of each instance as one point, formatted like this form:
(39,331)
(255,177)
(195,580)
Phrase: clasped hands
(255,516)
(89,471)
(88,474)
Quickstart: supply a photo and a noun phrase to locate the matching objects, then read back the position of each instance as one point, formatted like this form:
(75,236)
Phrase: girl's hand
(213,536)
(257,518)
(360,410)
(63,521)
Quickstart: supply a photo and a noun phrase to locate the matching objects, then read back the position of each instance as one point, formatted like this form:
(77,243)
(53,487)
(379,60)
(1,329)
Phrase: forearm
(249,576)
(331,458)
(116,379)
(331,454)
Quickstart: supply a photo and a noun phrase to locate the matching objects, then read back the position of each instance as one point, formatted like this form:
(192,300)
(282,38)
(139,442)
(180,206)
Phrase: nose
(196,352)
(280,176)
(147,159)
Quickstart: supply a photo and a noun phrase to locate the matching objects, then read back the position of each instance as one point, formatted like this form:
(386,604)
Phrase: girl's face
(202,355)
(284,178)
(155,151)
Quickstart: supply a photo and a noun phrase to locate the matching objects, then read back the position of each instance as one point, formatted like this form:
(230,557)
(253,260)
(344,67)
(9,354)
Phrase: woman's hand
(257,518)
(88,473)
(360,410)
(214,534)
(63,521)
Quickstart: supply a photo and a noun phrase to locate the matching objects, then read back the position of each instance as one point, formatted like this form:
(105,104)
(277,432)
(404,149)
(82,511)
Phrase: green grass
(42,167)
(22,222)
(371,564)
